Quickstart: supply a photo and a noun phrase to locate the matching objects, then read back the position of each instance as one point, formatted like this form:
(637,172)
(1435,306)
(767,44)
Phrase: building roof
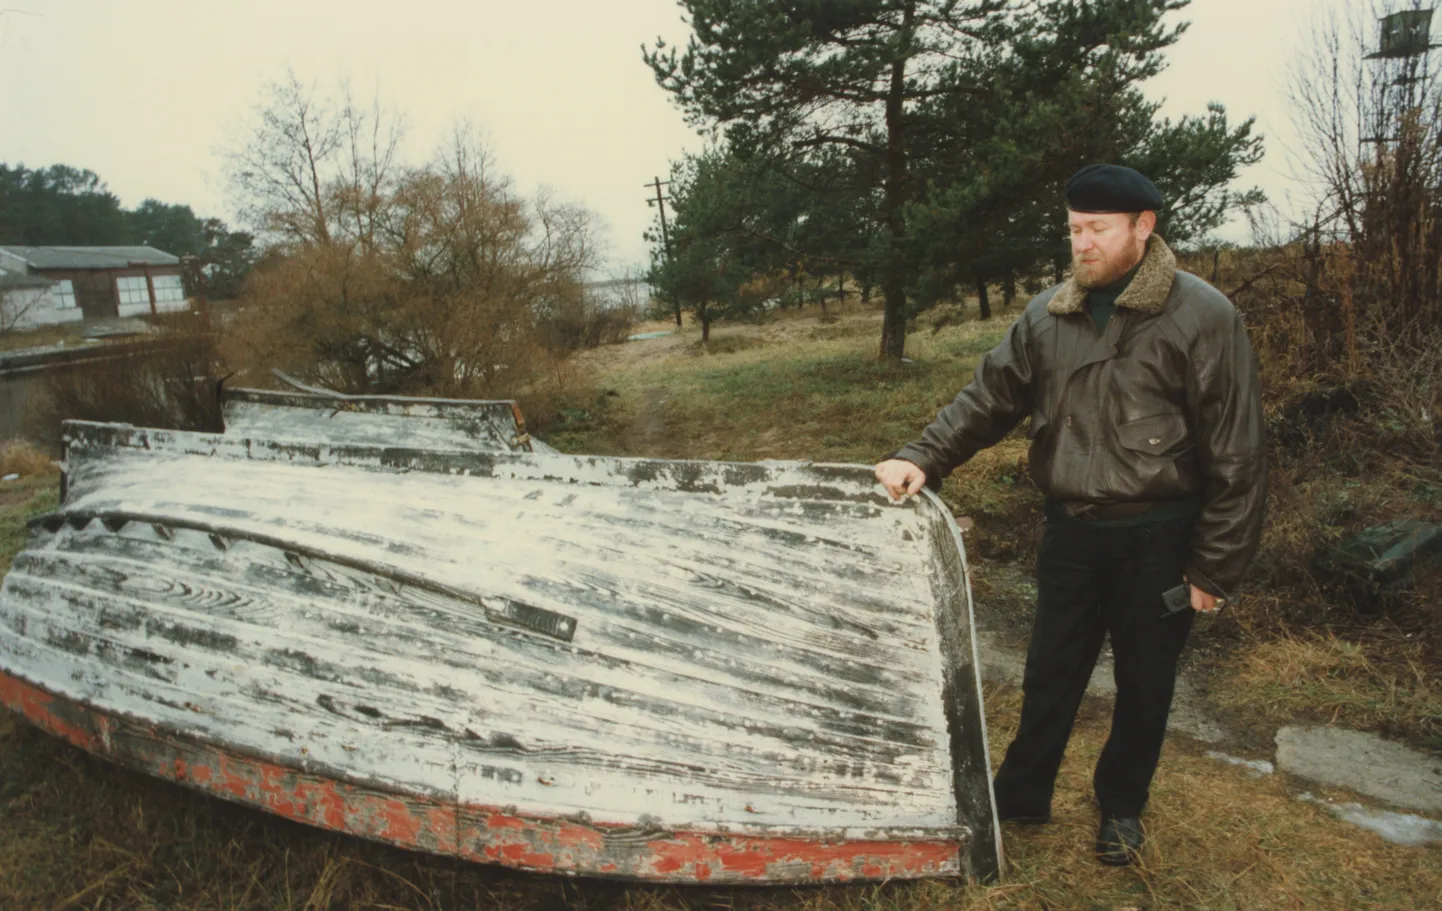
(11,281)
(91,257)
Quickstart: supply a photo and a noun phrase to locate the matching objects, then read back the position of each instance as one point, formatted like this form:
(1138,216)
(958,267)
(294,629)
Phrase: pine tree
(785,78)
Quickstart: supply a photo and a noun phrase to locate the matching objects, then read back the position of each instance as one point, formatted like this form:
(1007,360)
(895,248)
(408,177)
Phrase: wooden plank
(737,719)
(375,420)
(399,621)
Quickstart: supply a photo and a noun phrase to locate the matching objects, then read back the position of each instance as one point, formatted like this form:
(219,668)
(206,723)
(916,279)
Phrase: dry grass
(792,389)
(1326,679)
(21,499)
(25,459)
(170,380)
(40,338)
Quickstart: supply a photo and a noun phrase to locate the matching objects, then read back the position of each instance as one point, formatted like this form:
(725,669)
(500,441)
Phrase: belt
(1105,511)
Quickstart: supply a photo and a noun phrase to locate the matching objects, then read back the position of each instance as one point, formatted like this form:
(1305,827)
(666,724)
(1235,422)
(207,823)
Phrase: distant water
(644,335)
(619,292)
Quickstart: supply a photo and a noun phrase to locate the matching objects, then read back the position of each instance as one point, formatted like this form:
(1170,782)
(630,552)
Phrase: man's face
(1105,245)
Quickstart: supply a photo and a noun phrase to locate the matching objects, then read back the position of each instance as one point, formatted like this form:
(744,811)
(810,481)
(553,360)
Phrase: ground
(81,833)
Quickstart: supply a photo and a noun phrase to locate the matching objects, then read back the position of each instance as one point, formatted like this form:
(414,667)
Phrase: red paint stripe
(485,834)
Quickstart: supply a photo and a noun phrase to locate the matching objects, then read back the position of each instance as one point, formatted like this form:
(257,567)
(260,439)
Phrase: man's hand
(1204,602)
(901,477)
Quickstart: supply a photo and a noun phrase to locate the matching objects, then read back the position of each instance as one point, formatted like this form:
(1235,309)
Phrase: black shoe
(1120,841)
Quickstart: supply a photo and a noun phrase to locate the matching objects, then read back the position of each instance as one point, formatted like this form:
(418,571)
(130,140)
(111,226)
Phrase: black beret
(1111,188)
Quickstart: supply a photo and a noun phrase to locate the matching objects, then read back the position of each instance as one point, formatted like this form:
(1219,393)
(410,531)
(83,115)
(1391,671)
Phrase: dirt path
(687,340)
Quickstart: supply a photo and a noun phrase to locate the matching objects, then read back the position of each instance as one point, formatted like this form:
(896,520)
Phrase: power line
(660,203)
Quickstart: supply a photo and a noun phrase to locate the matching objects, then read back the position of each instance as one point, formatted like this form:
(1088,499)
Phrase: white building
(29,302)
(98,282)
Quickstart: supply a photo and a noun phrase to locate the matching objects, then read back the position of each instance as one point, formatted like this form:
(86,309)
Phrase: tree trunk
(893,276)
(704,314)
(1008,289)
(982,301)
(821,293)
(840,287)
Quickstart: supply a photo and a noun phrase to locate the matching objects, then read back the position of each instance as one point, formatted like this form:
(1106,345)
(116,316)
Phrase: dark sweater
(1102,302)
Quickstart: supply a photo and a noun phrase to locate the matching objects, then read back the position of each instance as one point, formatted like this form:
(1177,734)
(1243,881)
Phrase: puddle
(1388,772)
(1399,828)
(1258,767)
(645,335)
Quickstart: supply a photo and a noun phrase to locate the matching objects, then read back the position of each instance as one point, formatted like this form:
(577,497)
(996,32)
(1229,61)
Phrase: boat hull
(497,835)
(664,671)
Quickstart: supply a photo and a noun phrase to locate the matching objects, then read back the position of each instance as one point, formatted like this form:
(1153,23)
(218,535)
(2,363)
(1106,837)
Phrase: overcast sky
(147,92)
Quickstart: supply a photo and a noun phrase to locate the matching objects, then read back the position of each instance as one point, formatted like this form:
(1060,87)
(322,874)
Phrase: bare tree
(313,168)
(1372,132)
(372,141)
(17,305)
(441,283)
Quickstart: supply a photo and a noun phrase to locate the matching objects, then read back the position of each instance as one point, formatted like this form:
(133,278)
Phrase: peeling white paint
(373,420)
(754,648)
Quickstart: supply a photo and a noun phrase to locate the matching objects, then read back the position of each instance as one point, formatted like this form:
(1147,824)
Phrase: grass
(24,458)
(821,397)
(42,337)
(818,394)
(30,495)
(1321,678)
(80,833)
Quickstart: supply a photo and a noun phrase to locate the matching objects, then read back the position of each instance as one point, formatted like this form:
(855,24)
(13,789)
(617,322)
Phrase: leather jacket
(1163,406)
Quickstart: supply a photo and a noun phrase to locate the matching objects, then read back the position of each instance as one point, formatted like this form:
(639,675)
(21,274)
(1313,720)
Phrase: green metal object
(1385,555)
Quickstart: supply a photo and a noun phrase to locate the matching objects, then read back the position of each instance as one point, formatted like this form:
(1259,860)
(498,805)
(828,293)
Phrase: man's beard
(1098,273)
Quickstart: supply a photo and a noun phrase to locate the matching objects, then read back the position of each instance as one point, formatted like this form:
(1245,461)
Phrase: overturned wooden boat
(670,671)
(320,415)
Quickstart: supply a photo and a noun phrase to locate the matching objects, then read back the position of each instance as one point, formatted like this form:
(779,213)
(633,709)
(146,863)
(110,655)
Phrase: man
(1147,440)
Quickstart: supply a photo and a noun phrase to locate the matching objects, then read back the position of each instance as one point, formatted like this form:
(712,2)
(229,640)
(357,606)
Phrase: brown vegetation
(441,280)
(1352,405)
(170,380)
(1372,127)
(25,459)
(436,279)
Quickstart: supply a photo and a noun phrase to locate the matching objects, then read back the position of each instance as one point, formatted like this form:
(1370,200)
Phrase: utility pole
(660,203)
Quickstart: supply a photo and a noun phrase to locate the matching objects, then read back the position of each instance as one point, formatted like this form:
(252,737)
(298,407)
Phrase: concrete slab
(1365,763)
(114,327)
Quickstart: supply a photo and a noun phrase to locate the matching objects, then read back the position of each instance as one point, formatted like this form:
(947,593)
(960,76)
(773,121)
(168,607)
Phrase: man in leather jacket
(1147,440)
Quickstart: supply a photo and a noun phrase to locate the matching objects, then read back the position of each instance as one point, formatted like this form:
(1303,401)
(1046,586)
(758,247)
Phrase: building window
(64,294)
(168,290)
(133,293)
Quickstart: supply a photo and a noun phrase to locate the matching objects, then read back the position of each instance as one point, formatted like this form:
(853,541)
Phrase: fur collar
(1147,293)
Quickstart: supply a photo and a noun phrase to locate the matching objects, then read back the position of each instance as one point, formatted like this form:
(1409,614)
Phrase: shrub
(170,381)
(24,458)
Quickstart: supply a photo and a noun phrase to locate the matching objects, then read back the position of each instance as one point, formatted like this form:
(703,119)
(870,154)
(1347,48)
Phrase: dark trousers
(1091,583)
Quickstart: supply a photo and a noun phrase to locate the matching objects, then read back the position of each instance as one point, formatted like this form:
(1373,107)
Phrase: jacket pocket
(1153,435)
